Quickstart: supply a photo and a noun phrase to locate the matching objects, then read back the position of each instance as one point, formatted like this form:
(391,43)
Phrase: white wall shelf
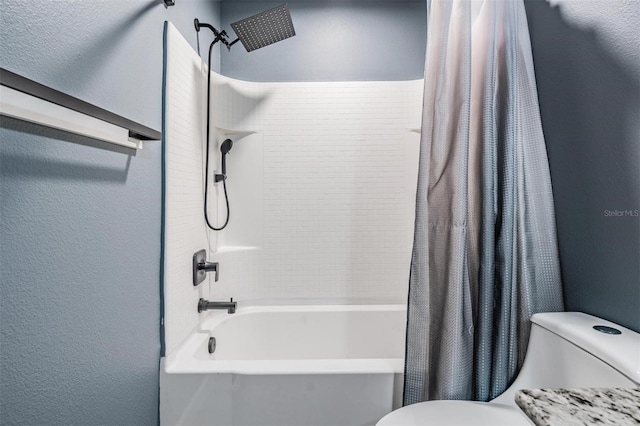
(238,134)
(31,101)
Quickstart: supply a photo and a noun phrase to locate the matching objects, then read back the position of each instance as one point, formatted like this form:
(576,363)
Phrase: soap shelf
(31,101)
(239,134)
(236,249)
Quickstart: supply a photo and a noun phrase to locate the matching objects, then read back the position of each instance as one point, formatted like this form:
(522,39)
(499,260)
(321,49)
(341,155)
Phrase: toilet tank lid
(620,351)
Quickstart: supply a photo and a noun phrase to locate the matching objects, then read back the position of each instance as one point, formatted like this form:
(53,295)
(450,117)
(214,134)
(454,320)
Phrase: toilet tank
(565,351)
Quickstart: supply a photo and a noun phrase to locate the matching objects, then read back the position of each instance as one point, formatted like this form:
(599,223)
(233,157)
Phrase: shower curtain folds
(485,254)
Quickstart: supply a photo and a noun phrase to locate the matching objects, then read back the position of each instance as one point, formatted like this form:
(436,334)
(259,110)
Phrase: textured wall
(588,71)
(80,222)
(335,41)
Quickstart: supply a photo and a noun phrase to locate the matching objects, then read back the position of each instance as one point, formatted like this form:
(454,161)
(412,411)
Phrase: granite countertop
(560,407)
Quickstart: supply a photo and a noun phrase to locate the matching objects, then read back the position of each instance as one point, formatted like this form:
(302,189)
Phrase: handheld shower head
(225,147)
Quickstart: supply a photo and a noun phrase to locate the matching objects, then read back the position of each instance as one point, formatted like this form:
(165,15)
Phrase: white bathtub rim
(214,319)
(287,367)
(182,360)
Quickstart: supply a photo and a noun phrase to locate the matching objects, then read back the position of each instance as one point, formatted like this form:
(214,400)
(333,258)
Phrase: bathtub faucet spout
(205,305)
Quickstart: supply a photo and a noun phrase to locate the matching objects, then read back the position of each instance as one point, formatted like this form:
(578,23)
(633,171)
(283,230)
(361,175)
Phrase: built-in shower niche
(244,189)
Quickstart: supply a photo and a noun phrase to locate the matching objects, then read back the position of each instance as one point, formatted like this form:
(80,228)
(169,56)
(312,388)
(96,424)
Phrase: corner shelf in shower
(236,249)
(31,101)
(239,134)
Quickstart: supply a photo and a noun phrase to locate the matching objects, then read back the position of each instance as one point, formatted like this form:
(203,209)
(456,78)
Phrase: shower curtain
(485,254)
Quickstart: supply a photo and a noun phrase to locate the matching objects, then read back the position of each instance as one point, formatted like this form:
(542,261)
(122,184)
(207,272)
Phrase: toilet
(566,350)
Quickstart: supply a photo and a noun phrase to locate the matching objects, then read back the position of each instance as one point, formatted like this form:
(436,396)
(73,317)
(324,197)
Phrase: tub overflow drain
(212,345)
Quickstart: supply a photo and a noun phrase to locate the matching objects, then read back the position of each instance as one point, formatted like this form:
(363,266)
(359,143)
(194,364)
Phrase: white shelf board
(22,106)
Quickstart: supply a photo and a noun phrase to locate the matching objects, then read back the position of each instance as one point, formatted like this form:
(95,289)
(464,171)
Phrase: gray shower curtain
(485,255)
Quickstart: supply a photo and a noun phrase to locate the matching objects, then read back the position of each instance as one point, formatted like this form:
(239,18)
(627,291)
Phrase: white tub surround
(281,365)
(321,183)
(184,228)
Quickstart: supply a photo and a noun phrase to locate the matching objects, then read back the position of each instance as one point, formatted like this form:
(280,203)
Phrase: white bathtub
(288,365)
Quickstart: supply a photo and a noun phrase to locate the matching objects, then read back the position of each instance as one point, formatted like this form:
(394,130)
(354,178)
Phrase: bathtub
(288,365)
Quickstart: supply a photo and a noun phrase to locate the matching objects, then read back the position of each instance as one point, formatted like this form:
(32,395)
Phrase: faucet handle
(210,267)
(200,267)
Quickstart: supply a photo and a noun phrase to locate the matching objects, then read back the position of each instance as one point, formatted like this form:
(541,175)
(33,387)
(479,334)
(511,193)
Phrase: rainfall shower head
(265,28)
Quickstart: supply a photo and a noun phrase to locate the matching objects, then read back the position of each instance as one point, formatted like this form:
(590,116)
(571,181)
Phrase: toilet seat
(449,413)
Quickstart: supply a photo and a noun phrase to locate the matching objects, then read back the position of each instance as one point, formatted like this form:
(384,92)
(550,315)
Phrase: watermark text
(622,213)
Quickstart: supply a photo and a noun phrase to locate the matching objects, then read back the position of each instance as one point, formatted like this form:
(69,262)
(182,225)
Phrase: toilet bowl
(564,351)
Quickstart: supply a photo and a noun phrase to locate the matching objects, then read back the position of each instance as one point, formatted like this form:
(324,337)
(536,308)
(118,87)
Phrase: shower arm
(221,36)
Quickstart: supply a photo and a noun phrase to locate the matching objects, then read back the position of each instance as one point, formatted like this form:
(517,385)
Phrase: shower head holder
(221,36)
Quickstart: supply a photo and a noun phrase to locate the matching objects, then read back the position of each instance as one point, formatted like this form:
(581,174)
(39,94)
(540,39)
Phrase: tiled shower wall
(321,182)
(185,231)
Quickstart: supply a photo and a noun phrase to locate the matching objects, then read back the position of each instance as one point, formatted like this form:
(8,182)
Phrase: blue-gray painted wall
(79,332)
(335,41)
(79,339)
(79,221)
(587,65)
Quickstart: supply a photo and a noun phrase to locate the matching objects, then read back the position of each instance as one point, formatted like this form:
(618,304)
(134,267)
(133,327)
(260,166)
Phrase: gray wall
(588,72)
(80,221)
(335,41)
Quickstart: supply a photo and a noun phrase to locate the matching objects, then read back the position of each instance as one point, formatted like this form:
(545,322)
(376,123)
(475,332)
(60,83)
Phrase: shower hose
(206,169)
